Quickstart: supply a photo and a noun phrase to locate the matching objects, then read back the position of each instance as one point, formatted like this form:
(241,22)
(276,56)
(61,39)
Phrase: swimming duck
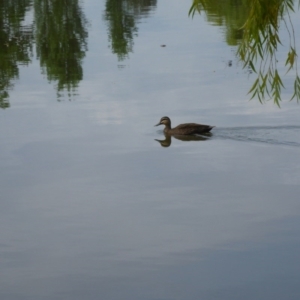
(184,129)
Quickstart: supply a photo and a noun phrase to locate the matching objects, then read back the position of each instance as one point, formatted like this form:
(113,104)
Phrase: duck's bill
(157,124)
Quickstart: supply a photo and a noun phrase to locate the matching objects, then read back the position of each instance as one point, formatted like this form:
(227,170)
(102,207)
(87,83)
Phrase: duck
(183,129)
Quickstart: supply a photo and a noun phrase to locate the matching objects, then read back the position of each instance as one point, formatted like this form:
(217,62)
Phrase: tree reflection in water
(59,32)
(16,44)
(61,41)
(258,39)
(122,17)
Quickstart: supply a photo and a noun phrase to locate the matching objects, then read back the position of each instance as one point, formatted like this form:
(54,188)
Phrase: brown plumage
(184,129)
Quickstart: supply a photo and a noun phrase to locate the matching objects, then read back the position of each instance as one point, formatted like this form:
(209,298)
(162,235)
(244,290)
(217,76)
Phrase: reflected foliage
(122,17)
(58,29)
(60,41)
(259,42)
(230,14)
(16,44)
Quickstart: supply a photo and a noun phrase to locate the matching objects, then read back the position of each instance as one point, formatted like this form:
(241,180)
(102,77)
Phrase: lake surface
(96,203)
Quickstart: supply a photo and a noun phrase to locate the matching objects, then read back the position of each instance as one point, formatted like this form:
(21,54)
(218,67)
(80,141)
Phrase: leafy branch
(261,40)
(260,43)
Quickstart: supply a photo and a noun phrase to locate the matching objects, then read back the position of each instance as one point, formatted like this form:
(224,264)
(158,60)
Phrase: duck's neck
(167,127)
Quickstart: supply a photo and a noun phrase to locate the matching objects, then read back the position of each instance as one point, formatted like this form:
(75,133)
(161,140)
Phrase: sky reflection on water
(93,207)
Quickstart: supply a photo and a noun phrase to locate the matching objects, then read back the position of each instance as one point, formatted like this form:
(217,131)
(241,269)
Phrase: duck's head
(164,121)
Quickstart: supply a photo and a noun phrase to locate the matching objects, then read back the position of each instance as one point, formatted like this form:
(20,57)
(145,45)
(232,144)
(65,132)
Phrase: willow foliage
(259,44)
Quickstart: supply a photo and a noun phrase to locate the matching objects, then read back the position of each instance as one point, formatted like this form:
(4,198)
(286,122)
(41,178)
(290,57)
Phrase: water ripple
(276,135)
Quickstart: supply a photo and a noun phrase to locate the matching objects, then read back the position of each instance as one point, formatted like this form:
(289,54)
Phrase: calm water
(92,206)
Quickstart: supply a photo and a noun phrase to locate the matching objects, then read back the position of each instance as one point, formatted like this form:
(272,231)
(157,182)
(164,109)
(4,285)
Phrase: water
(92,206)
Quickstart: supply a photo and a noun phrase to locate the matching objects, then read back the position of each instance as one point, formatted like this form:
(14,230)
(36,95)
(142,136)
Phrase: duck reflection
(185,138)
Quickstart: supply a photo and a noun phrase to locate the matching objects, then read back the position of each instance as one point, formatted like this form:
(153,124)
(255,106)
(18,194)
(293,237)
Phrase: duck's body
(184,129)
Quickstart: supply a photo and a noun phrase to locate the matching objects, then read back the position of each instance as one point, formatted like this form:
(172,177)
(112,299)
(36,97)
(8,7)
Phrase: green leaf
(252,66)
(254,85)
